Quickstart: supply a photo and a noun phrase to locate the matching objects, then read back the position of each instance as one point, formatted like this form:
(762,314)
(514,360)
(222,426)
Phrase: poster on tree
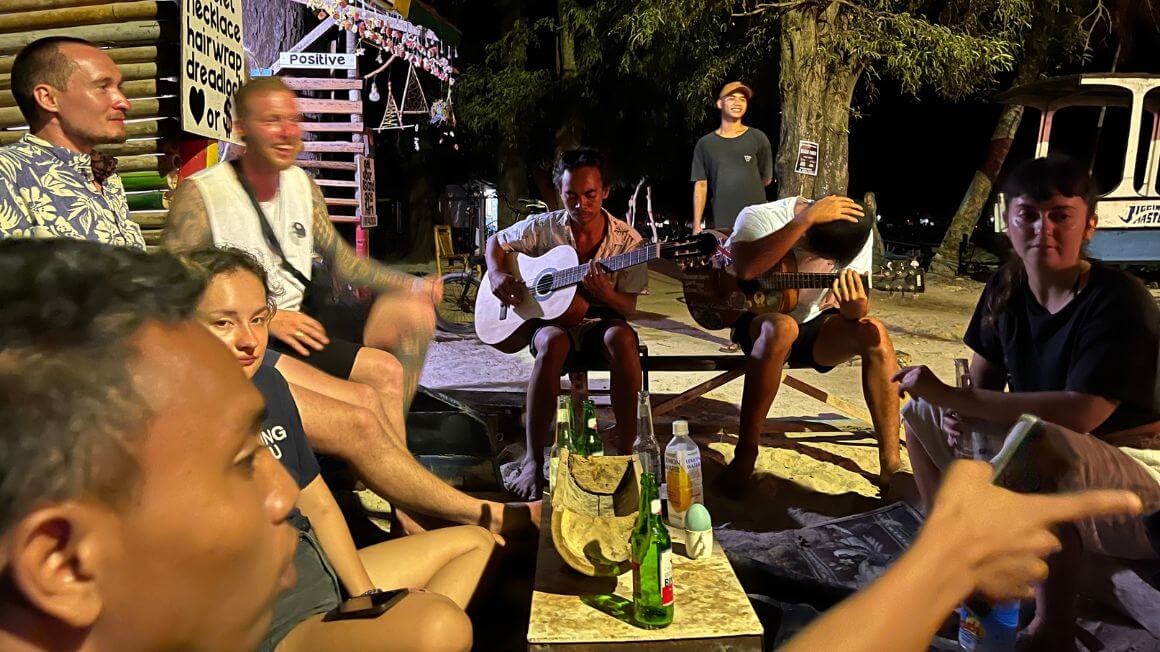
(213,66)
(807,158)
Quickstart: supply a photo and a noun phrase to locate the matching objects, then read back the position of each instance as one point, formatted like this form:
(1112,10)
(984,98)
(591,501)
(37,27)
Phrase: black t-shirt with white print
(282,430)
(1105,342)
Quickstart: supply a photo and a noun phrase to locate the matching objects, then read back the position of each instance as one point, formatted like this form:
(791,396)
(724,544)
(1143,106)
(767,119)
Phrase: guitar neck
(800,280)
(639,256)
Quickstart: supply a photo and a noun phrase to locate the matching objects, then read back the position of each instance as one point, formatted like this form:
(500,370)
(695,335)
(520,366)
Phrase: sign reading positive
(807,158)
(319,60)
(213,65)
(364,176)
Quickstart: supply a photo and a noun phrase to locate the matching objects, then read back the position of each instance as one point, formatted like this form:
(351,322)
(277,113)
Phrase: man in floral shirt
(52,182)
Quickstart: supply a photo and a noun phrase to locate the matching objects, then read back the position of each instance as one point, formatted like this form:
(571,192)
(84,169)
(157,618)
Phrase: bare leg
(841,339)
(449,562)
(927,475)
(621,350)
(352,433)
(1053,628)
(387,407)
(420,622)
(552,347)
(402,325)
(773,335)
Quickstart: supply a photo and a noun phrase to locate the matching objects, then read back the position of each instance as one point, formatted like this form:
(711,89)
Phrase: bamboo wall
(143,38)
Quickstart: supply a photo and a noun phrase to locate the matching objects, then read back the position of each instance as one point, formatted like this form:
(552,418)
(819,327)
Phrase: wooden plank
(121,56)
(139,88)
(144,32)
(326,165)
(129,72)
(164,163)
(322,83)
(149,219)
(335,183)
(148,129)
(16,6)
(116,12)
(336,201)
(151,108)
(332,127)
(344,219)
(139,147)
(697,391)
(311,105)
(334,147)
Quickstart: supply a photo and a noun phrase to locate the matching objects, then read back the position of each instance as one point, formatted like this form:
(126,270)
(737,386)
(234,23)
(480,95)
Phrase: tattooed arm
(187,227)
(345,263)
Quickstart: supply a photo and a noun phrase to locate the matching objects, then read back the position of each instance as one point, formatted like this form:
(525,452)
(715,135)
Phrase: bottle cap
(680,428)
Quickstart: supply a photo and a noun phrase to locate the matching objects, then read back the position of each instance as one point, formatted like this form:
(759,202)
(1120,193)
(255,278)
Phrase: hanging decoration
(391,116)
(374,94)
(419,46)
(414,100)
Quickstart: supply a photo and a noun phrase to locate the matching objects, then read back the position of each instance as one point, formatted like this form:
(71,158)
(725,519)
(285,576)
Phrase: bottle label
(655,506)
(666,573)
(553,464)
(683,471)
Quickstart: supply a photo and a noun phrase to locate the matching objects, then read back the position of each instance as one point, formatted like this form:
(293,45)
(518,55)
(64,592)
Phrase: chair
(446,260)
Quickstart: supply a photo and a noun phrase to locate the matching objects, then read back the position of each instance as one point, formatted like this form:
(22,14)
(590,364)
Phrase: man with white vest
(265,204)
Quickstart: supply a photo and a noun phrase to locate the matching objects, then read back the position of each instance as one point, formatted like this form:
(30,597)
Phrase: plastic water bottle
(988,628)
(683,470)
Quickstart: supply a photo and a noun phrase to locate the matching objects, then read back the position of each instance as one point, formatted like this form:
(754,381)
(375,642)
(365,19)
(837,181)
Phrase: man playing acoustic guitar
(825,329)
(595,234)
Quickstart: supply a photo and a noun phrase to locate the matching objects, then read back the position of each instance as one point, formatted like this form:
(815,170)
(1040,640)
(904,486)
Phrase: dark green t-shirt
(735,169)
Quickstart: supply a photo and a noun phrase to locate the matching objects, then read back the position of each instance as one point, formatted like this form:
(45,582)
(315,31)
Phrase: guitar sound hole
(544,284)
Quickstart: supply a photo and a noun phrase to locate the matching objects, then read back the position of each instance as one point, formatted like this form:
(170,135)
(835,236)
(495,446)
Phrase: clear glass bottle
(646,446)
(563,437)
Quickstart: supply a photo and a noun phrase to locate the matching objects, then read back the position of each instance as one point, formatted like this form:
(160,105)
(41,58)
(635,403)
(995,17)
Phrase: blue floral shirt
(53,192)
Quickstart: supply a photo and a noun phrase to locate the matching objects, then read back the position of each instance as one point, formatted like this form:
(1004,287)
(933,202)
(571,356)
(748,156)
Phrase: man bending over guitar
(826,328)
(595,234)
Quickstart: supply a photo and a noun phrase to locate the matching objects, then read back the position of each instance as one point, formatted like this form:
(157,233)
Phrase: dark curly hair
(581,157)
(70,408)
(1039,179)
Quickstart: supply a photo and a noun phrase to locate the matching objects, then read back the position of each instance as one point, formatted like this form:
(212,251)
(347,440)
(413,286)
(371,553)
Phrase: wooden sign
(1131,213)
(319,60)
(364,177)
(213,66)
(807,158)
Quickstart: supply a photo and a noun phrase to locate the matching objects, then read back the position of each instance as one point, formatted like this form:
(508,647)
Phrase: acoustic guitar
(716,298)
(551,281)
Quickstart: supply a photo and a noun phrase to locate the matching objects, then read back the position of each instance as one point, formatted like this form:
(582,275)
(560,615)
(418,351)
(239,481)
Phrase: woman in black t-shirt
(1074,343)
(443,566)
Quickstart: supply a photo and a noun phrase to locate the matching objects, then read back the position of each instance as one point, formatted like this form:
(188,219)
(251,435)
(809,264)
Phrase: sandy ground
(827,471)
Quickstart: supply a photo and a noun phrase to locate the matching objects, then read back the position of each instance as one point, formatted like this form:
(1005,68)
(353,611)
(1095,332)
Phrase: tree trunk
(945,260)
(513,181)
(571,131)
(271,28)
(815,103)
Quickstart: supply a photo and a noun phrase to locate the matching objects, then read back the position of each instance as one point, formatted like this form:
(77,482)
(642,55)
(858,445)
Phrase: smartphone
(366,606)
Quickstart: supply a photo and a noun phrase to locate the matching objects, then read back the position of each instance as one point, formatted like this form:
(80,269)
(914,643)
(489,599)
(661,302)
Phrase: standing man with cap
(732,164)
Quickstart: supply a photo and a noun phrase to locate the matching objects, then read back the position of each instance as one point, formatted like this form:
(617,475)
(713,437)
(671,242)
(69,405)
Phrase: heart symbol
(197,104)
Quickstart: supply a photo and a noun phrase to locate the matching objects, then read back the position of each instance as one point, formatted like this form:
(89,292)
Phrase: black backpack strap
(267,231)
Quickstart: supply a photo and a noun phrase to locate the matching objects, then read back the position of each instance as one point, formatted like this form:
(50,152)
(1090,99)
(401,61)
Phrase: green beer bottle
(590,443)
(563,437)
(652,561)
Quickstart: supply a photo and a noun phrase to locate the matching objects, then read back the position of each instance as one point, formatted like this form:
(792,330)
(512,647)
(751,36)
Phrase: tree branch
(763,7)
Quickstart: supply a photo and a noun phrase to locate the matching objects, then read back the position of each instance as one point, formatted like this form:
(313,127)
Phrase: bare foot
(523,478)
(889,466)
(407,523)
(735,479)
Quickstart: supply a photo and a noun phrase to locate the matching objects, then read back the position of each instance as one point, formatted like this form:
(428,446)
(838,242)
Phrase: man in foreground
(53,183)
(138,510)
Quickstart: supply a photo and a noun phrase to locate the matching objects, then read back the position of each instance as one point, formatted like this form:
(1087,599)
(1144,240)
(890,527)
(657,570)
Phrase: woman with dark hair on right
(1072,342)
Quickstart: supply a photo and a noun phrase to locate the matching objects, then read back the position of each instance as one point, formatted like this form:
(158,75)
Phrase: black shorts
(587,340)
(344,326)
(801,354)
